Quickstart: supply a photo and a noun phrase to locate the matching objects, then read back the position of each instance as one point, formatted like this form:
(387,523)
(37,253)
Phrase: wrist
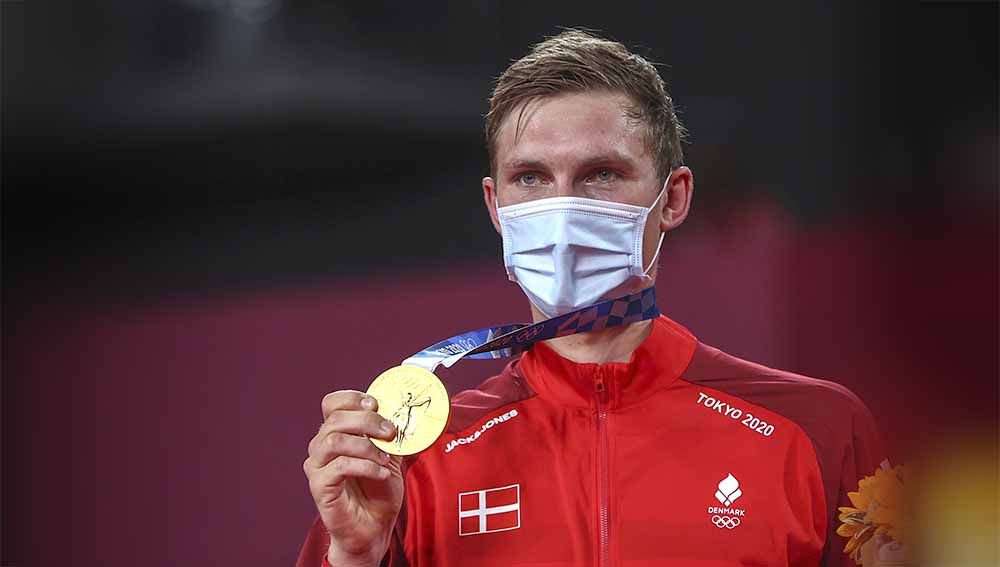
(336,557)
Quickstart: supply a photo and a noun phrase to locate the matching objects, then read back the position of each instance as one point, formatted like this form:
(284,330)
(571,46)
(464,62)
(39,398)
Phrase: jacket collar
(658,362)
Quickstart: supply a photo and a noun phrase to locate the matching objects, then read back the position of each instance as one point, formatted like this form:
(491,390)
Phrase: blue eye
(528,179)
(604,175)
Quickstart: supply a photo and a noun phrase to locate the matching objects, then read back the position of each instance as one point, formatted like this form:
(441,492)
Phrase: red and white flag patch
(490,510)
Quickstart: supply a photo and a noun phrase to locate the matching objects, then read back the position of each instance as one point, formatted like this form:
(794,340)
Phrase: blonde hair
(579,61)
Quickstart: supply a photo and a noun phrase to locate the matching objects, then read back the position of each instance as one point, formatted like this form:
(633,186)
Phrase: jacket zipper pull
(602,391)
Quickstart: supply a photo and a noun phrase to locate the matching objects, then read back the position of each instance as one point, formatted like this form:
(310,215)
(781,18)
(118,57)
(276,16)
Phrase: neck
(614,344)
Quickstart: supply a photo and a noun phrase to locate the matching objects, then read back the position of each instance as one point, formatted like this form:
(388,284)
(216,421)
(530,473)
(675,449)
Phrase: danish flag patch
(489,510)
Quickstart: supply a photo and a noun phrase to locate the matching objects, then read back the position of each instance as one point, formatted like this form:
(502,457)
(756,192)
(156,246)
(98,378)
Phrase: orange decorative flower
(879,508)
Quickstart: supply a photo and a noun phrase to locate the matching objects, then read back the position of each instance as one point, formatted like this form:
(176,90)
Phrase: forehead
(571,127)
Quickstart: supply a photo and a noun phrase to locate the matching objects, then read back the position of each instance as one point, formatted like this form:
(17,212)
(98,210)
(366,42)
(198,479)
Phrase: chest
(652,485)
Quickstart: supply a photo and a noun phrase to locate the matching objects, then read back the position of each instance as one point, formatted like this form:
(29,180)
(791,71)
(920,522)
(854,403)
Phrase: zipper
(603,482)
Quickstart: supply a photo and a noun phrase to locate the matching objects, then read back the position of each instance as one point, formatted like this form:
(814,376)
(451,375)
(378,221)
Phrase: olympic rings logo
(725,521)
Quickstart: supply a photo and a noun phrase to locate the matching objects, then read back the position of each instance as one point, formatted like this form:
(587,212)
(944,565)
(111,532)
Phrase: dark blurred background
(216,211)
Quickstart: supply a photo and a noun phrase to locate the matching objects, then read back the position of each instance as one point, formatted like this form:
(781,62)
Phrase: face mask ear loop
(662,191)
(658,197)
(662,234)
(655,256)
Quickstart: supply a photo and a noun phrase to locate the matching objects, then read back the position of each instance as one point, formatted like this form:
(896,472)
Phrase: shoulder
(506,388)
(787,393)
(838,424)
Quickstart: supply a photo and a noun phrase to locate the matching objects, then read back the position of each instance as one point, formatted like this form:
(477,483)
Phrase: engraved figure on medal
(417,404)
(404,420)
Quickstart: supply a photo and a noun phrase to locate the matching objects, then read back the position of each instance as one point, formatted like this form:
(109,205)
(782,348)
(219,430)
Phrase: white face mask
(570,252)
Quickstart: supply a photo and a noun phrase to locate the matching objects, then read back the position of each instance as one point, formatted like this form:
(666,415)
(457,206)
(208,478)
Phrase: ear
(490,198)
(676,200)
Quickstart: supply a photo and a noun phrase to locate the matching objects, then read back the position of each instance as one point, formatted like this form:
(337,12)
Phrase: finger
(347,400)
(361,423)
(342,468)
(336,444)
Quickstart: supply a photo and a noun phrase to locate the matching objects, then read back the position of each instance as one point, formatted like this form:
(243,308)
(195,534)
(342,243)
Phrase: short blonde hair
(579,61)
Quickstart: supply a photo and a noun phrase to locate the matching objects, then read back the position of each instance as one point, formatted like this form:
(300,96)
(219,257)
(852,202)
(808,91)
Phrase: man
(630,445)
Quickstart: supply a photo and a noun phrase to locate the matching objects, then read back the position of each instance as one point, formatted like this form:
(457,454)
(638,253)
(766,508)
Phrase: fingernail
(385,459)
(386,427)
(368,403)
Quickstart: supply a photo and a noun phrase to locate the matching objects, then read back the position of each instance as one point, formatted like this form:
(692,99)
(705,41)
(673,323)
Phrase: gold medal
(416,402)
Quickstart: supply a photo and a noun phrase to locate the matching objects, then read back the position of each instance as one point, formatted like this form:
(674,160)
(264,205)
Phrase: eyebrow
(610,157)
(524,164)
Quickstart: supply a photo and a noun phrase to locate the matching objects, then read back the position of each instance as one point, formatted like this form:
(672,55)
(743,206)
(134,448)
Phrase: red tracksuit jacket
(682,456)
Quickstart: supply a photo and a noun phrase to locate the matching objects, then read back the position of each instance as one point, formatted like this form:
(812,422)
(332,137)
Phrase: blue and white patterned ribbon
(507,340)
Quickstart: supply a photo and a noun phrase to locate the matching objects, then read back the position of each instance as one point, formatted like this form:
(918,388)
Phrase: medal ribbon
(507,340)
